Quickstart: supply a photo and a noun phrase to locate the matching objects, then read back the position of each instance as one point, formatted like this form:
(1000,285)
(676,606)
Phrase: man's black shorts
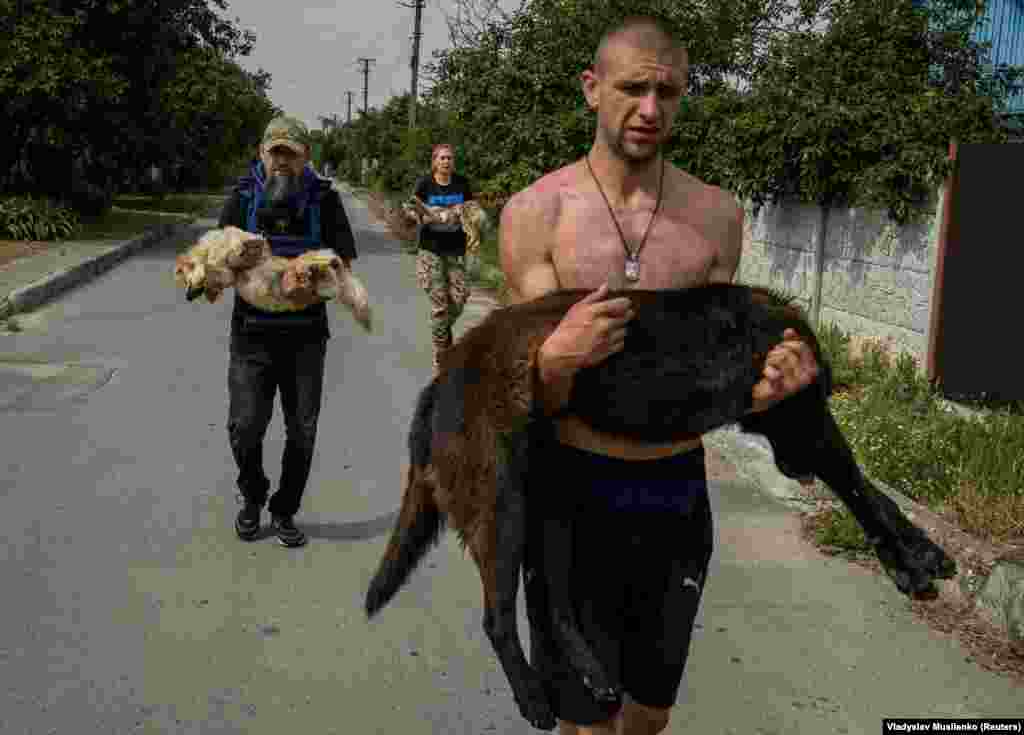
(642,540)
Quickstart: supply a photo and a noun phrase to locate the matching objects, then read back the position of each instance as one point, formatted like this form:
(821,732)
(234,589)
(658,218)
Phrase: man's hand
(591,331)
(789,367)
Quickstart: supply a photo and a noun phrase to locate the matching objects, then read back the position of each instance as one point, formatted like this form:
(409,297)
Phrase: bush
(27,218)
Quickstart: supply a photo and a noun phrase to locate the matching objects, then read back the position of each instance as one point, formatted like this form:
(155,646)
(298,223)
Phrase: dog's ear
(182,266)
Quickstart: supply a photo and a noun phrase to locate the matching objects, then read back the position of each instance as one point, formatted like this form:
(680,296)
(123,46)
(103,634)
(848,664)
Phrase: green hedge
(29,218)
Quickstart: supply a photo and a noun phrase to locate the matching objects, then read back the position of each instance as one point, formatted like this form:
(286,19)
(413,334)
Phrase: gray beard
(281,191)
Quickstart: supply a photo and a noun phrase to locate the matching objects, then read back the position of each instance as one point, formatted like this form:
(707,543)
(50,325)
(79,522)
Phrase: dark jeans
(258,368)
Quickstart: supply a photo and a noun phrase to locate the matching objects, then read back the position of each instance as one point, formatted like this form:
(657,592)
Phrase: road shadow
(353,531)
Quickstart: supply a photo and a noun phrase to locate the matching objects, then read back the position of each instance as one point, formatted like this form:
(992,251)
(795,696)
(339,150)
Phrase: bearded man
(284,200)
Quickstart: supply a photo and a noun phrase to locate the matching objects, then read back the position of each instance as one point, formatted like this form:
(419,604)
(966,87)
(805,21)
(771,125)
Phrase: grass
(146,211)
(118,225)
(489,274)
(179,203)
(904,434)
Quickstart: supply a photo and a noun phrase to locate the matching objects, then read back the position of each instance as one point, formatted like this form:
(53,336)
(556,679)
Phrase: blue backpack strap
(314,213)
(315,230)
(247,205)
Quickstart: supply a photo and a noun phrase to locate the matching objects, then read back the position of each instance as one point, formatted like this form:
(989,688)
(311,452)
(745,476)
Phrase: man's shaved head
(643,30)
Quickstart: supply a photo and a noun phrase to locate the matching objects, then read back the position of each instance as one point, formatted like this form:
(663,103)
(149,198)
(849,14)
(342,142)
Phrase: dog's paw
(914,564)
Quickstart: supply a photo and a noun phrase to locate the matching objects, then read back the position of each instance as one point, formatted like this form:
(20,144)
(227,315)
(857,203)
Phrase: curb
(35,294)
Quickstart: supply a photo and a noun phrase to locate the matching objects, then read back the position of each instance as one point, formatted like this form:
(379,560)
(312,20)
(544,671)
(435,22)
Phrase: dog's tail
(419,520)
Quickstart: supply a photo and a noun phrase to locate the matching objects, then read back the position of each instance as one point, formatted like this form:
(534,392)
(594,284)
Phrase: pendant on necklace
(633,267)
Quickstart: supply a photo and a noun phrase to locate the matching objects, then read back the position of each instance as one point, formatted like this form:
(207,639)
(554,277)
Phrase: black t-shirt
(443,239)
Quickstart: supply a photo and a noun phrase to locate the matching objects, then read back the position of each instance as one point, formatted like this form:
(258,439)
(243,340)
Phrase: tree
(833,101)
(216,114)
(854,114)
(519,79)
(86,104)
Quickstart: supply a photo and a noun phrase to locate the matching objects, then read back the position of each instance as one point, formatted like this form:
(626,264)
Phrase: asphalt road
(129,605)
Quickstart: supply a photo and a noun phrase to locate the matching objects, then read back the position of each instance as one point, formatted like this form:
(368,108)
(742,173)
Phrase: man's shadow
(354,531)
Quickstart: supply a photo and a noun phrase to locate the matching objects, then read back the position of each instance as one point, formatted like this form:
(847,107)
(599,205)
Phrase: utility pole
(349,107)
(414,62)
(366,82)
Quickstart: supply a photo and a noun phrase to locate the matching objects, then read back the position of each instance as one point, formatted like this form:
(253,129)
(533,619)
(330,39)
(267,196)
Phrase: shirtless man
(630,505)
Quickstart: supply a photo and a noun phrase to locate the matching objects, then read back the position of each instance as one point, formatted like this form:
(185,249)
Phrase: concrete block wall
(877,276)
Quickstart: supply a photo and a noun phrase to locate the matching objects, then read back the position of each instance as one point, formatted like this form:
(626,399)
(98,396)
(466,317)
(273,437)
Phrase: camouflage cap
(289,132)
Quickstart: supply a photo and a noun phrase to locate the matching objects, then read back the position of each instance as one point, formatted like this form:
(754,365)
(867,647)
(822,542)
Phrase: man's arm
(591,330)
(343,242)
(524,253)
(232,213)
(727,259)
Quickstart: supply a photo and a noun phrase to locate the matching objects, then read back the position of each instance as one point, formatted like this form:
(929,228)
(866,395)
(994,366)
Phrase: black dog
(691,360)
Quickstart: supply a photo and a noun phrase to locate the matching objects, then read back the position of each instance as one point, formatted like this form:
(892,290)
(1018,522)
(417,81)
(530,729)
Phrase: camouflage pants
(443,277)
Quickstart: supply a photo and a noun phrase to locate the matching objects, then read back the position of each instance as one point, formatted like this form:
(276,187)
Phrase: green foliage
(837,528)
(906,436)
(28,218)
(84,107)
(850,116)
(215,110)
(859,113)
(194,204)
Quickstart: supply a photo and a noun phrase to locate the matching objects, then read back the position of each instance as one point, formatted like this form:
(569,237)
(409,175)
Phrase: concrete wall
(876,276)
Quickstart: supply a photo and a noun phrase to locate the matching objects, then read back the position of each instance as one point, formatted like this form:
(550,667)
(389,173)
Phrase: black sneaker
(287,533)
(247,522)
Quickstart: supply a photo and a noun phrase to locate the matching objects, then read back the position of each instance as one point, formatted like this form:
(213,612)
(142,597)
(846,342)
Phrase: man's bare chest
(678,252)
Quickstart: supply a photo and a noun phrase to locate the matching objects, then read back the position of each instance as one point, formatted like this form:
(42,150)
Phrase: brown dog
(691,360)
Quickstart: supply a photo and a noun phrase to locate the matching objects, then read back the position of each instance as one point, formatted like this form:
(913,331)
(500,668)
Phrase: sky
(312,49)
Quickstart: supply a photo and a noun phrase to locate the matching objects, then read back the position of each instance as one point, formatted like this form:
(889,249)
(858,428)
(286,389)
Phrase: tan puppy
(474,220)
(288,284)
(210,265)
(470,215)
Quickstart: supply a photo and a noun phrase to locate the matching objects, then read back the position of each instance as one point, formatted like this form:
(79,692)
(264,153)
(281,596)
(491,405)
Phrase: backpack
(287,245)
